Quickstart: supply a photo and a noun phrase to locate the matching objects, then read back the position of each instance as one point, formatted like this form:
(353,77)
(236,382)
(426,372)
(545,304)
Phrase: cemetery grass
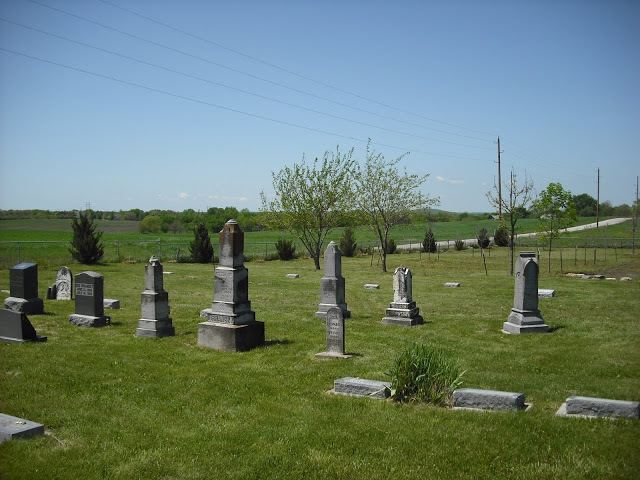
(117,406)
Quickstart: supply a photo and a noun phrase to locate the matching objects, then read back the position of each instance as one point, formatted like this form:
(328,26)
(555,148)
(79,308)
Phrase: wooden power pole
(499,184)
(635,222)
(598,201)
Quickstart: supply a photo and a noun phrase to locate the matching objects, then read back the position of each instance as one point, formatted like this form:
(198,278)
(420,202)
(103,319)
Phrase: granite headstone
(89,296)
(15,327)
(335,335)
(332,286)
(23,289)
(64,284)
(403,310)
(155,321)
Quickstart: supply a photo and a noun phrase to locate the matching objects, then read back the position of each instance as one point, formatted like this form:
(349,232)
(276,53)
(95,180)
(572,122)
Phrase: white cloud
(451,182)
(439,178)
(183,195)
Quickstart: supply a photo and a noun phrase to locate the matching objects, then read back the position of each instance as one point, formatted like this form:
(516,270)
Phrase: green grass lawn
(117,406)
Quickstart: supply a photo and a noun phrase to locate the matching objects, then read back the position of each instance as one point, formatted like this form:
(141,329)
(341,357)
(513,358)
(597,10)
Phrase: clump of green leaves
(422,373)
(391,246)
(86,246)
(348,243)
(201,248)
(429,242)
(286,249)
(501,236)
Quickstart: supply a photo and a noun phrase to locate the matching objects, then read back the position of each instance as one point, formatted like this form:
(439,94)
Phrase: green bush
(391,246)
(429,242)
(286,249)
(151,224)
(483,238)
(422,373)
(501,236)
(348,243)
(459,245)
(201,248)
(86,246)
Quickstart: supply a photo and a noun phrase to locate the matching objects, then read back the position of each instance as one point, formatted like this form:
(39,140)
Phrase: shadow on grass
(556,328)
(276,341)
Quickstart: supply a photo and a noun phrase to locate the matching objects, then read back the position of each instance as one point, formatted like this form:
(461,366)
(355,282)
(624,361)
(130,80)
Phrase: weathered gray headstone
(230,323)
(52,292)
(23,288)
(478,399)
(525,317)
(155,321)
(14,427)
(403,310)
(452,284)
(89,296)
(293,275)
(112,303)
(335,335)
(15,327)
(64,284)
(332,283)
(599,407)
(546,293)
(371,286)
(361,387)
(625,279)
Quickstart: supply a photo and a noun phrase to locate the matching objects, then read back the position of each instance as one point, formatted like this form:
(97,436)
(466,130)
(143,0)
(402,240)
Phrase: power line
(284,69)
(222,107)
(241,72)
(220,84)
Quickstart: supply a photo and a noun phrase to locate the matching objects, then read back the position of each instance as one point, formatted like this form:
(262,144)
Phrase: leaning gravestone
(525,316)
(403,310)
(23,289)
(89,293)
(335,335)
(64,284)
(155,321)
(230,324)
(15,327)
(332,283)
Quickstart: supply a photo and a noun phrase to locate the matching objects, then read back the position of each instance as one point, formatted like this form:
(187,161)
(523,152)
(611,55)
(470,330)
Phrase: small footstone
(15,427)
(111,303)
(546,293)
(167,273)
(599,407)
(361,387)
(293,275)
(625,279)
(477,399)
(371,286)
(452,284)
(611,278)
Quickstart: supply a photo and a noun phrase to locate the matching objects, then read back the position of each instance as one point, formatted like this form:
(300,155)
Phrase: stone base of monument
(477,399)
(406,314)
(89,321)
(226,337)
(589,407)
(525,321)
(323,308)
(15,327)
(32,306)
(332,355)
(15,427)
(155,328)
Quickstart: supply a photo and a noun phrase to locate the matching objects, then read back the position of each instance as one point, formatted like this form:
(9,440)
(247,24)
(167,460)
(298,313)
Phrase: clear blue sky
(557,80)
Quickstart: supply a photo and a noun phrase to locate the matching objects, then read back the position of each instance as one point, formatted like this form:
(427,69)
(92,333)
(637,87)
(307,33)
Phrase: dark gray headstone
(64,284)
(15,327)
(155,321)
(403,310)
(230,323)
(14,427)
(474,398)
(23,289)
(332,286)
(525,317)
(599,407)
(89,300)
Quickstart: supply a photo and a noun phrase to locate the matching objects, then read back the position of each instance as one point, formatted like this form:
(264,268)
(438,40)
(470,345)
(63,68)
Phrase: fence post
(575,255)
(595,249)
(118,250)
(19,259)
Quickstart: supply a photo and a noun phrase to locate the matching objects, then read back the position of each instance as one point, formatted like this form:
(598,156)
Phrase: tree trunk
(316,261)
(550,240)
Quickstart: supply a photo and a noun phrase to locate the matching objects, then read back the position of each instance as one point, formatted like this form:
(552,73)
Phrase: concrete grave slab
(546,293)
(293,275)
(14,427)
(478,399)
(452,284)
(361,387)
(111,303)
(371,286)
(592,407)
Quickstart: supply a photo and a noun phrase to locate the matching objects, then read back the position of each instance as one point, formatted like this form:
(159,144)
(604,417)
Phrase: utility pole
(635,222)
(598,202)
(499,184)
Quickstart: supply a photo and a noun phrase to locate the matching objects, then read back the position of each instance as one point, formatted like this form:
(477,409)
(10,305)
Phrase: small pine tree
(86,246)
(501,236)
(483,238)
(459,245)
(201,249)
(429,242)
(348,243)
(286,249)
(391,246)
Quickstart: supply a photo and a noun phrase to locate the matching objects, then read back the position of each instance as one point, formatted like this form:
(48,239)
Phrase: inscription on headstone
(335,335)
(64,284)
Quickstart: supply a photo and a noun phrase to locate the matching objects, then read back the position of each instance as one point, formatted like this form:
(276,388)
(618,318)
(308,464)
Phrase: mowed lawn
(117,406)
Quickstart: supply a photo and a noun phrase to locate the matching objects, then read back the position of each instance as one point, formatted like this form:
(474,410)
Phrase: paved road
(472,241)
